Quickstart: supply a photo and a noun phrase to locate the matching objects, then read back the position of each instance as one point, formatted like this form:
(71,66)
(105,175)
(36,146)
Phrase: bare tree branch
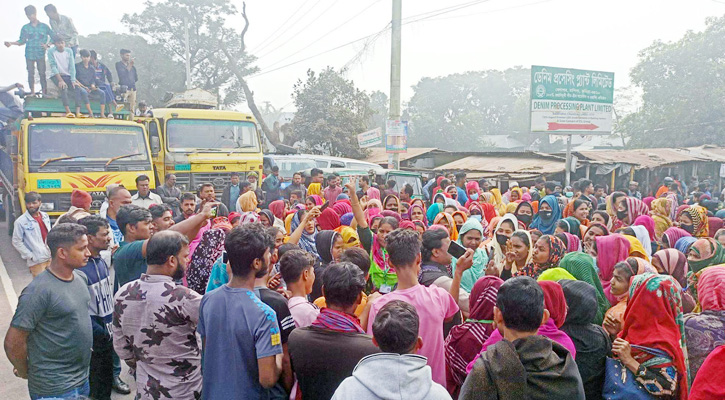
(246,25)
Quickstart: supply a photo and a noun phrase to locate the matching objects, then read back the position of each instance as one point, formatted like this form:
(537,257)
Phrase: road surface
(14,276)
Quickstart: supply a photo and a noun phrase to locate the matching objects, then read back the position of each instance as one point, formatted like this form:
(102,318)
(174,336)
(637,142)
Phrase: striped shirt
(34,37)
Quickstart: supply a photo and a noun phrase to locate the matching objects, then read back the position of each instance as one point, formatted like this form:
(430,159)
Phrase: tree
(331,111)
(683,96)
(379,103)
(157,70)
(164,23)
(464,108)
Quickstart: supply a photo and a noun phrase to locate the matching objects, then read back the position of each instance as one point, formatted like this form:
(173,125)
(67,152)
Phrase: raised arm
(357,210)
(191,226)
(294,238)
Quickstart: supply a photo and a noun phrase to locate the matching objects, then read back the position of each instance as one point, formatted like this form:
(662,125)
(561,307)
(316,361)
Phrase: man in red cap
(80,205)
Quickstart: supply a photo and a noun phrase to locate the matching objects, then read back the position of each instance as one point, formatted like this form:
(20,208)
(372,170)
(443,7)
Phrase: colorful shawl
(547,226)
(314,189)
(555,274)
(317,199)
(342,207)
(648,223)
(202,261)
(328,219)
(480,257)
(698,214)
(635,209)
(277,208)
(556,252)
(643,244)
(684,244)
(581,266)
(451,224)
(417,207)
(704,253)
(464,341)
(307,240)
(433,211)
(248,201)
(574,226)
(661,211)
(554,301)
(324,242)
(674,263)
(373,193)
(654,319)
(713,225)
(397,202)
(337,321)
(673,234)
(489,212)
(611,249)
(350,238)
(709,384)
(572,243)
(499,258)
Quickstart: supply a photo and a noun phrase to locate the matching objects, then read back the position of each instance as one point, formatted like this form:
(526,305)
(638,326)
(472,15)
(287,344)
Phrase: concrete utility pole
(567,175)
(395,70)
(188,53)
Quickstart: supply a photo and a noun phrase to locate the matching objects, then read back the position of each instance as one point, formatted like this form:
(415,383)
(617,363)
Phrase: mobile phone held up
(456,250)
(214,211)
(324,206)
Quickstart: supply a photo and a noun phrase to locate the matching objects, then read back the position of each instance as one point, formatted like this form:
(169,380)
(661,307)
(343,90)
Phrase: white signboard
(370,138)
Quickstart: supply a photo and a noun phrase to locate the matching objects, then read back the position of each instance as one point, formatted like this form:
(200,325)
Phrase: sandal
(70,115)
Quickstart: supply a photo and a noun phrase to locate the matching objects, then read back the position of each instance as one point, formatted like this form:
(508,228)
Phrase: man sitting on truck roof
(63,72)
(88,85)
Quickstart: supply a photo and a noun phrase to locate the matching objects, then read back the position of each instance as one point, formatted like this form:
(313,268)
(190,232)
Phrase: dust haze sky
(493,34)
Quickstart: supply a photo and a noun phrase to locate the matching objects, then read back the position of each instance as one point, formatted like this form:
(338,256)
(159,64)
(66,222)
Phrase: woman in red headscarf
(654,320)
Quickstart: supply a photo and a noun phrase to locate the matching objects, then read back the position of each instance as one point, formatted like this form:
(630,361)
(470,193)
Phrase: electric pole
(395,70)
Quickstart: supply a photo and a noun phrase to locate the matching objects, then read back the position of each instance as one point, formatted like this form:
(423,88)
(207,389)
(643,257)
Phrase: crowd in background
(329,289)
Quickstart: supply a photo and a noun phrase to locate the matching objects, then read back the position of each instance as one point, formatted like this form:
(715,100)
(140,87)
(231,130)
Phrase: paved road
(14,276)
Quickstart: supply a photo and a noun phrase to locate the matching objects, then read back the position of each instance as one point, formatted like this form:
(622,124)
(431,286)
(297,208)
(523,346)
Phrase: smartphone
(456,250)
(214,211)
(324,206)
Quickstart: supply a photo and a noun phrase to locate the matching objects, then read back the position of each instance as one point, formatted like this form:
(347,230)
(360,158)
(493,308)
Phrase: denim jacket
(28,240)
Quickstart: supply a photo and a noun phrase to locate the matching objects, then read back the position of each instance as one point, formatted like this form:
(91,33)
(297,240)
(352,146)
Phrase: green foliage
(158,72)
(379,103)
(464,108)
(682,91)
(163,23)
(331,111)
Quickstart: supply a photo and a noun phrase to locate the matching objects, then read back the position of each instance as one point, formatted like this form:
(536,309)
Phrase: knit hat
(81,199)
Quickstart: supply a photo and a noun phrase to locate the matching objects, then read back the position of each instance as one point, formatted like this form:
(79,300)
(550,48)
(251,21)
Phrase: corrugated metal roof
(506,165)
(707,153)
(641,158)
(379,156)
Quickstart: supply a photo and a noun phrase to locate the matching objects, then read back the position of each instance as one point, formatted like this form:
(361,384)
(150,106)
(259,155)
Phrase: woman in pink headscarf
(610,250)
(672,235)
(373,193)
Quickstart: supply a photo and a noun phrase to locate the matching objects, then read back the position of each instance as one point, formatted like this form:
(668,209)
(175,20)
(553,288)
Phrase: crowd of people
(351,290)
(54,51)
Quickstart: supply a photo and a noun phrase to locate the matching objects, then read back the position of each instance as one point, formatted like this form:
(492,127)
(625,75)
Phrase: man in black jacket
(231,192)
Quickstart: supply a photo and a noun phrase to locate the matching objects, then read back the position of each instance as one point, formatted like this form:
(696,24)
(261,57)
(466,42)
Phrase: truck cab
(54,155)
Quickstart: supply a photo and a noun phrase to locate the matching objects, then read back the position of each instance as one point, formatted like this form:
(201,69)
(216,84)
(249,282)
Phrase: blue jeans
(74,394)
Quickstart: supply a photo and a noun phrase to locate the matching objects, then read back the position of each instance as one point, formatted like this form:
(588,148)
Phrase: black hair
(431,239)
(141,177)
(597,187)
(158,210)
(163,245)
(627,231)
(460,175)
(63,235)
(244,184)
(315,172)
(32,196)
(125,51)
(390,183)
(293,263)
(550,185)
(564,239)
(359,257)
(84,53)
(390,221)
(30,10)
(58,39)
(521,302)
(365,179)
(342,283)
(445,183)
(167,176)
(603,214)
(539,180)
(584,183)
(524,238)
(272,230)
(233,174)
(508,221)
(244,244)
(50,8)
(94,55)
(275,168)
(297,193)
(403,246)
(188,196)
(395,327)
(93,223)
(578,202)
(627,268)
(202,186)
(285,248)
(563,225)
(408,189)
(131,214)
(66,219)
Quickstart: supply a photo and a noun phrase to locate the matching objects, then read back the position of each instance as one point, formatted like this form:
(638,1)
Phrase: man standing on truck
(29,234)
(63,72)
(63,26)
(127,76)
(35,35)
(145,197)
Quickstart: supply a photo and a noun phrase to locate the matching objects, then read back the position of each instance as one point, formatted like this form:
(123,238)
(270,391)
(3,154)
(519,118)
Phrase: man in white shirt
(144,197)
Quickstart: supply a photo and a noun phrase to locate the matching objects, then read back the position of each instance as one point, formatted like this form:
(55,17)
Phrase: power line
(263,42)
(300,31)
(494,11)
(444,10)
(327,33)
(262,72)
(278,34)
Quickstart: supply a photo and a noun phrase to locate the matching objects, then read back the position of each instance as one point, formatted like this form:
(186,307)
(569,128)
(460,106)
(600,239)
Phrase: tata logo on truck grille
(93,183)
(219,167)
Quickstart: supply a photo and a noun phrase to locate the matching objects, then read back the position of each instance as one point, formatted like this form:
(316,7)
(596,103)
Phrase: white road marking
(8,286)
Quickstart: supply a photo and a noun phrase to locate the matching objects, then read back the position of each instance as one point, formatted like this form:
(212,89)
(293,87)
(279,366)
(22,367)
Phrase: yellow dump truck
(54,155)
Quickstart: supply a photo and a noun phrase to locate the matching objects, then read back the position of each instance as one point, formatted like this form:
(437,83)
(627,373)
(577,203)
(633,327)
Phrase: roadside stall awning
(512,165)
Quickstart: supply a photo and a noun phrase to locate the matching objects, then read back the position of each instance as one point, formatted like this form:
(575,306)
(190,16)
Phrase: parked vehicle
(288,165)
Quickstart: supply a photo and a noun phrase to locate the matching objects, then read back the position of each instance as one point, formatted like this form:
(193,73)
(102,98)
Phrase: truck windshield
(212,135)
(65,143)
